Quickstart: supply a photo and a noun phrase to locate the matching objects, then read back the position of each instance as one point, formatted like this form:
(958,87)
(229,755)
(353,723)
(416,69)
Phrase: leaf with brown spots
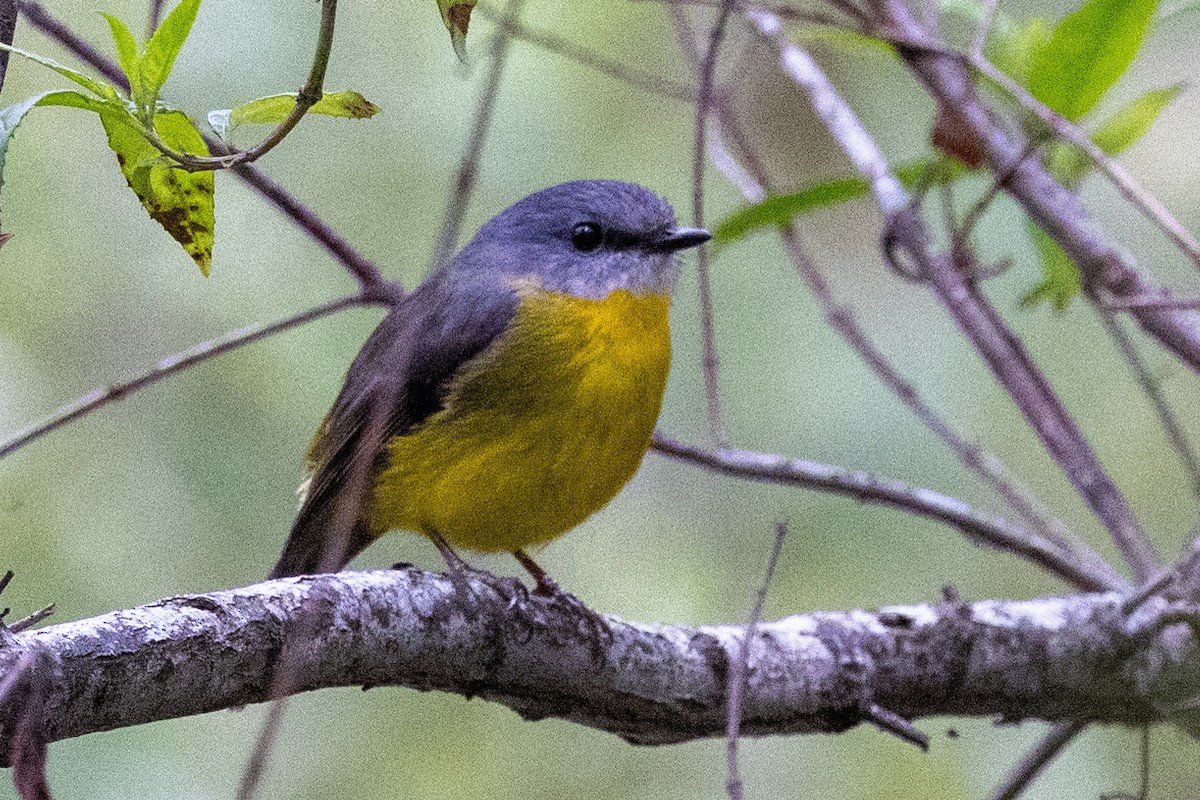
(274,109)
(456,14)
(181,201)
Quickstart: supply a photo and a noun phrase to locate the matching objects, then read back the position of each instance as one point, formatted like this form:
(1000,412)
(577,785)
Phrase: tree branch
(1057,210)
(1074,658)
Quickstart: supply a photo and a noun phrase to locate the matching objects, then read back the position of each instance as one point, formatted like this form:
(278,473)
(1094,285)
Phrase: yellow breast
(540,430)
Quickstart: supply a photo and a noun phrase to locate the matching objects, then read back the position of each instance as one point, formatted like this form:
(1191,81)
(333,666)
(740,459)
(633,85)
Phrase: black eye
(587,236)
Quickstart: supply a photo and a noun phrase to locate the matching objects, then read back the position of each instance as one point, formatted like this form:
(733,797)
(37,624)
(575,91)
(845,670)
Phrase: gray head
(587,238)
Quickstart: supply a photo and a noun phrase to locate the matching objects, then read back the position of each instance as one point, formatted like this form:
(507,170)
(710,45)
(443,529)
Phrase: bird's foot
(598,627)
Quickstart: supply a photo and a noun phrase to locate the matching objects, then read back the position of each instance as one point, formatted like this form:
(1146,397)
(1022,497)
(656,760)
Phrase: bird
(511,395)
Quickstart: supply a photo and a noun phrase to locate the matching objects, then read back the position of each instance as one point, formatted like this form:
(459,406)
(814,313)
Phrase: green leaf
(127,54)
(1011,45)
(1133,121)
(1088,51)
(11,117)
(1070,165)
(781,209)
(1015,53)
(182,202)
(98,88)
(456,15)
(1060,277)
(275,109)
(163,47)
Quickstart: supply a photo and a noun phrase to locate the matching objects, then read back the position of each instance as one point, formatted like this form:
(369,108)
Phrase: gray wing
(397,381)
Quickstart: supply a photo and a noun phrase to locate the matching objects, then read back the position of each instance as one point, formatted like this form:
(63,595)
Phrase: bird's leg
(597,624)
(546,586)
(458,568)
(453,560)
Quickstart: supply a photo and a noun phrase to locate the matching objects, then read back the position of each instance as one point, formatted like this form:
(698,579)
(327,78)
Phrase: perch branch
(1051,659)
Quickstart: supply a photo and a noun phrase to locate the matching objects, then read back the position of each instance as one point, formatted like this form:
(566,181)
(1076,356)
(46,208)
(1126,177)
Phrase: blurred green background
(188,486)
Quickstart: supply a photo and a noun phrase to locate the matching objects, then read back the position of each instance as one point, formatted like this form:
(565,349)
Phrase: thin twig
(1126,185)
(802,15)
(988,466)
(1002,351)
(979,527)
(987,15)
(1153,391)
(203,351)
(1020,499)
(154,18)
(468,165)
(8,27)
(375,287)
(27,622)
(352,496)
(738,667)
(889,721)
(308,96)
(553,43)
(256,766)
(711,367)
(1150,301)
(1144,765)
(1035,760)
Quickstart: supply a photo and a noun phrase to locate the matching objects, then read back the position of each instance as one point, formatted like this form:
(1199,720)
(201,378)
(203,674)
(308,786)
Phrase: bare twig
(1126,184)
(8,26)
(27,622)
(375,287)
(1153,391)
(203,351)
(805,16)
(1150,301)
(741,662)
(1000,349)
(308,96)
(988,466)
(711,367)
(978,527)
(155,16)
(985,26)
(1045,751)
(754,186)
(468,165)
(553,43)
(891,722)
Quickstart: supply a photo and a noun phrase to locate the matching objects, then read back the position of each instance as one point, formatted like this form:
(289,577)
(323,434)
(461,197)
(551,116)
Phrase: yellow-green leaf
(98,88)
(1133,121)
(11,116)
(1087,52)
(1060,277)
(781,209)
(274,109)
(163,47)
(182,202)
(127,54)
(1070,165)
(456,15)
(1015,53)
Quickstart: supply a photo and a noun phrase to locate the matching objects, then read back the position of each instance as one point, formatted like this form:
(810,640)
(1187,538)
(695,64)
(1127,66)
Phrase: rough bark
(1071,658)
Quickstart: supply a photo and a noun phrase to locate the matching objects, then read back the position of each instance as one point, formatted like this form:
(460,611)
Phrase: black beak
(679,239)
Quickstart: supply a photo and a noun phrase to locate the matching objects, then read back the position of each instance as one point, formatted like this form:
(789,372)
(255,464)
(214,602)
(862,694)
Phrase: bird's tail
(322,540)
